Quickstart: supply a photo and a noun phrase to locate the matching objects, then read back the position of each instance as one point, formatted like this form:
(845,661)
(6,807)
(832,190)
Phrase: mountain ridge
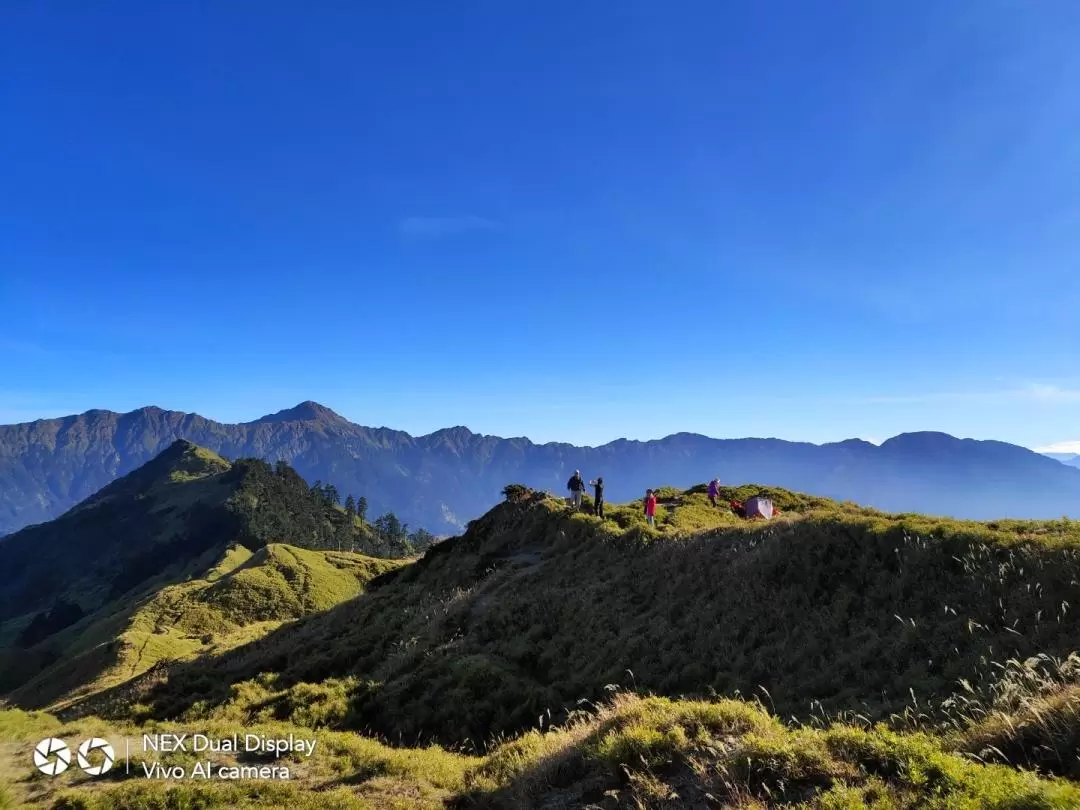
(547,659)
(172,519)
(535,607)
(306,411)
(1068,459)
(312,411)
(442,479)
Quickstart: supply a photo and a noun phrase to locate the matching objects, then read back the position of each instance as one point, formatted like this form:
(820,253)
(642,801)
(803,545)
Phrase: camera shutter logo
(107,753)
(52,757)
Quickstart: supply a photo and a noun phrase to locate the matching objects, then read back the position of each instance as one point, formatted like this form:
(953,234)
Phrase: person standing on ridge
(650,507)
(598,497)
(576,485)
(714,490)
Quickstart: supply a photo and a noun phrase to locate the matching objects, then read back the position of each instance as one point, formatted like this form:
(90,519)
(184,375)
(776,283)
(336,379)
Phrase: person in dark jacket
(598,497)
(576,485)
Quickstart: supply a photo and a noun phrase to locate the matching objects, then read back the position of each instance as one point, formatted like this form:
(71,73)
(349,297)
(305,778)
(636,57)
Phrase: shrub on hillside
(515,493)
(667,493)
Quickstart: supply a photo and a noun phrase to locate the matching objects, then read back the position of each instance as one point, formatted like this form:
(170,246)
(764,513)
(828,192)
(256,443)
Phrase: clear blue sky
(567,220)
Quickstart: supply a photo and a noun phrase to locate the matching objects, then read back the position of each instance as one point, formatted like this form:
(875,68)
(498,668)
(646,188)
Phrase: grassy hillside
(656,752)
(183,503)
(182,557)
(832,659)
(826,609)
(630,752)
(347,772)
(835,658)
(241,597)
(134,528)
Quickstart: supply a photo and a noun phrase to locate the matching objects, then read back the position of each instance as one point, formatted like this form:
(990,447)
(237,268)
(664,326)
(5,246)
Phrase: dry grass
(873,636)
(629,752)
(652,752)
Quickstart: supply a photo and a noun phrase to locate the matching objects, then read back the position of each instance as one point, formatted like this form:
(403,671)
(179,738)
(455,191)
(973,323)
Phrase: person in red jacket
(650,507)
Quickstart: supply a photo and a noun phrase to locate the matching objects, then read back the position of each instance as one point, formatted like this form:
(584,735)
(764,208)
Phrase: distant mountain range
(1072,459)
(444,479)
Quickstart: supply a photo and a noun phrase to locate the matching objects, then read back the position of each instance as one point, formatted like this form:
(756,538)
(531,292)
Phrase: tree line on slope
(312,517)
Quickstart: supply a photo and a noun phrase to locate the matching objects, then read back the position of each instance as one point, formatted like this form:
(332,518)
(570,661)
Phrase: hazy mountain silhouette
(442,480)
(1072,459)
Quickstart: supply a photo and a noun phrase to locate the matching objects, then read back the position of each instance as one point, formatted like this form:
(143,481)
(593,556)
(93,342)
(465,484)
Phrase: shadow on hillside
(61,676)
(531,611)
(173,687)
(53,676)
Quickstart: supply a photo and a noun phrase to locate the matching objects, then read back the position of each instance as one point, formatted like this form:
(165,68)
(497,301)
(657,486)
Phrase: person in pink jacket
(650,507)
(714,490)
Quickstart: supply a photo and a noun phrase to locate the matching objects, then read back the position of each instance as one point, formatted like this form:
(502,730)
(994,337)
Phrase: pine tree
(388,527)
(343,535)
(350,507)
(421,539)
(361,508)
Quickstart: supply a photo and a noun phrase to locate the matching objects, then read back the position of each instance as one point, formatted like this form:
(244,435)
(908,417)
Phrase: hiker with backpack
(650,507)
(576,485)
(714,490)
(598,497)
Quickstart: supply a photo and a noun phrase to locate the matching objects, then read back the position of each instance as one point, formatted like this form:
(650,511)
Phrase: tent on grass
(759,506)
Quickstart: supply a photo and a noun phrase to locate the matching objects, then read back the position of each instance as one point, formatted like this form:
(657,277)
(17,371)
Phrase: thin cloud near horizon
(1060,447)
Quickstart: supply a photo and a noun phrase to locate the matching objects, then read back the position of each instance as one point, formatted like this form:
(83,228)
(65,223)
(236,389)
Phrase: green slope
(628,753)
(181,557)
(241,597)
(169,511)
(828,608)
(905,646)
(164,512)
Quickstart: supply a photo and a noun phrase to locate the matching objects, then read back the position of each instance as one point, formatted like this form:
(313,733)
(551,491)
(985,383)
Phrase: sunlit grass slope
(832,659)
(630,752)
(181,557)
(829,608)
(242,596)
(655,752)
(346,771)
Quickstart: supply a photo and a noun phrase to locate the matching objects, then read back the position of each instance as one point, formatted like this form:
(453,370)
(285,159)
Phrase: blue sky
(567,220)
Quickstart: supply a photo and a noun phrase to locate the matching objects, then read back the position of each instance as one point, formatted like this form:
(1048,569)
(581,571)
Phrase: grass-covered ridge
(242,596)
(630,752)
(165,514)
(835,658)
(829,608)
(655,752)
(347,771)
(186,556)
